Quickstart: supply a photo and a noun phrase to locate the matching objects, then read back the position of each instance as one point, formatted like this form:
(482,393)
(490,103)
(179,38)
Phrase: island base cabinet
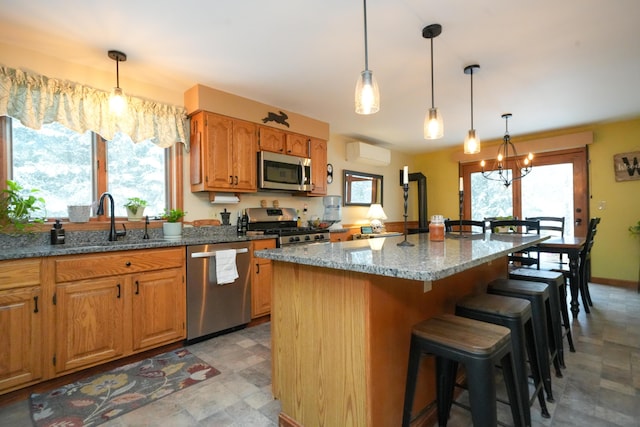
(158,308)
(89,322)
(20,326)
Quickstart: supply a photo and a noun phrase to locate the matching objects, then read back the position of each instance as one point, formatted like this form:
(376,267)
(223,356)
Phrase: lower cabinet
(261,279)
(20,323)
(138,306)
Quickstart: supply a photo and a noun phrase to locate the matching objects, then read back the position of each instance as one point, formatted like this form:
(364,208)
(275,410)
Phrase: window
(69,168)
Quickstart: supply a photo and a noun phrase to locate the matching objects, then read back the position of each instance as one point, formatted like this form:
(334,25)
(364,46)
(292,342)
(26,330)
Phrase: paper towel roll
(219,198)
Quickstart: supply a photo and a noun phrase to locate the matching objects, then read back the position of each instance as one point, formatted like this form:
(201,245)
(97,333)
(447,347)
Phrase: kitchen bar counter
(342,314)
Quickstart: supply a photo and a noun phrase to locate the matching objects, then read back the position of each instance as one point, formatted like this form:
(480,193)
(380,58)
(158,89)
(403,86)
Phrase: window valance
(36,100)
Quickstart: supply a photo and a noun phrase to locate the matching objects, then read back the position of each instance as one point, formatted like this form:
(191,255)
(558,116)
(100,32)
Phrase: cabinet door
(272,140)
(20,337)
(297,145)
(89,322)
(318,167)
(217,146)
(245,148)
(261,280)
(158,308)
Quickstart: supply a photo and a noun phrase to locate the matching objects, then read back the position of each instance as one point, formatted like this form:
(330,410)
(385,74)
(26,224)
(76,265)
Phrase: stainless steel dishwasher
(212,308)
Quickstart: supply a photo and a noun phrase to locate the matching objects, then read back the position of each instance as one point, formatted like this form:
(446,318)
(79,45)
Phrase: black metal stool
(538,296)
(478,346)
(554,280)
(515,314)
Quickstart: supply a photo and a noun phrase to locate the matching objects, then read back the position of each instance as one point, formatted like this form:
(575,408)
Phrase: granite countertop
(96,242)
(425,261)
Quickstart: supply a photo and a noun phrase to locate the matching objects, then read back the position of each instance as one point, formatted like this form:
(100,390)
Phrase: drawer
(19,273)
(258,245)
(77,267)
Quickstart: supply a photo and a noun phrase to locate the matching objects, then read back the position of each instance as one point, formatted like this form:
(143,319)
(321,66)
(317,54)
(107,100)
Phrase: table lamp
(376,215)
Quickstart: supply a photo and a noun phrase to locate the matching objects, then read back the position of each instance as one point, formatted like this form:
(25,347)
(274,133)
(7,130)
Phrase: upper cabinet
(223,153)
(282,142)
(318,167)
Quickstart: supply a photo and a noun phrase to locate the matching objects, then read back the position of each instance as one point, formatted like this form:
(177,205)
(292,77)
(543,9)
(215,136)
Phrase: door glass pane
(55,160)
(489,198)
(548,191)
(136,170)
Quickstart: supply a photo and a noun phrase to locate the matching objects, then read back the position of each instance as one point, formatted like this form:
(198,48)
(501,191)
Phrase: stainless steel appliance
(211,307)
(283,172)
(283,222)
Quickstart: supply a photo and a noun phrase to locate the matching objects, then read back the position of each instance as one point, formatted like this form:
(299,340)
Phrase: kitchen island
(342,315)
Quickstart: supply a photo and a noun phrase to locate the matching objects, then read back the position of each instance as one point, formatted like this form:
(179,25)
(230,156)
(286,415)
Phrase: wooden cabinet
(112,305)
(282,142)
(318,167)
(341,236)
(261,279)
(20,323)
(222,153)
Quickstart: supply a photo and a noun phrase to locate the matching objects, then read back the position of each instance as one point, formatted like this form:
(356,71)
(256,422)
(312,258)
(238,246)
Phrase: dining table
(571,246)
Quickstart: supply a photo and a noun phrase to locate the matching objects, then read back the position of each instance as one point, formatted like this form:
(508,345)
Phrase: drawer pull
(118,290)
(137,288)
(257,268)
(128,263)
(35,300)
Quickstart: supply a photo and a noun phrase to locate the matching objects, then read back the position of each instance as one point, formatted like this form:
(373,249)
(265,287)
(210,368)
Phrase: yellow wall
(616,254)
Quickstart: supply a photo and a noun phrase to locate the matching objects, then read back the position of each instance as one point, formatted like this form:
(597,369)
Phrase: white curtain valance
(36,100)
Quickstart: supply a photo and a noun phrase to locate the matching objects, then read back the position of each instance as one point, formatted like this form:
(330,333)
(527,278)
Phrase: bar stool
(554,280)
(478,346)
(515,314)
(538,295)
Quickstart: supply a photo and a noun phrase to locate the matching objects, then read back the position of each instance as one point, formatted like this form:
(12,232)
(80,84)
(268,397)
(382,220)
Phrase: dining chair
(465,225)
(551,225)
(584,264)
(518,226)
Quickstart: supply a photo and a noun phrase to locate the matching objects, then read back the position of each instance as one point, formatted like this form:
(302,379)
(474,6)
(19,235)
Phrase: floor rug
(105,396)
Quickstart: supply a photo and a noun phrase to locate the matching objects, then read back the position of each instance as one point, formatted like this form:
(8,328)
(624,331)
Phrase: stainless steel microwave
(283,172)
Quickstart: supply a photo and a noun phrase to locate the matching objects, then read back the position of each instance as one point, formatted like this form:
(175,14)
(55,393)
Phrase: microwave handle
(302,175)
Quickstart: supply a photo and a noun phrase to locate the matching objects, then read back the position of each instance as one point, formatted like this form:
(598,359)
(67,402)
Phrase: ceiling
(552,64)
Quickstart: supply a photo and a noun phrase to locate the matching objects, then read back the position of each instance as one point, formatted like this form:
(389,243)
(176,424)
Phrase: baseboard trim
(616,282)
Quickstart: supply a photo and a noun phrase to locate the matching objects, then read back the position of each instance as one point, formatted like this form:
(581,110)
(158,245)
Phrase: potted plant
(135,208)
(172,228)
(20,209)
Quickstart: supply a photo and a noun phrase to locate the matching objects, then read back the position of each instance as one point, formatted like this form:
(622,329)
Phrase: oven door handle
(213,253)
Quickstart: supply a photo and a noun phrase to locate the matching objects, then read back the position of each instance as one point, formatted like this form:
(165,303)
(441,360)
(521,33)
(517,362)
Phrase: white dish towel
(226,271)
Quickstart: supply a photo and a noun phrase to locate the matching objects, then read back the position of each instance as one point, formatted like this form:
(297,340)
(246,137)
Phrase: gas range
(283,223)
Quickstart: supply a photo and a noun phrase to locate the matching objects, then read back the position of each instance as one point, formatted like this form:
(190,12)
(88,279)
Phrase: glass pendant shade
(367,94)
(472,142)
(433,124)
(117,102)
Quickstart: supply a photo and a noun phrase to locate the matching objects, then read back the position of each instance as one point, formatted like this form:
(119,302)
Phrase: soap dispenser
(57,233)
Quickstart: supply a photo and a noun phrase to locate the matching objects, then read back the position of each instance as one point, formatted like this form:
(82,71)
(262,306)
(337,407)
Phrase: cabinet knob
(128,263)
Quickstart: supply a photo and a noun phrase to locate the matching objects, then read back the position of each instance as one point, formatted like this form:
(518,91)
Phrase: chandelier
(507,160)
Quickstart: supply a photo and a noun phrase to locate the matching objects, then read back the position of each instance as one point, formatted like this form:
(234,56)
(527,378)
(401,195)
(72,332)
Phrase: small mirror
(361,189)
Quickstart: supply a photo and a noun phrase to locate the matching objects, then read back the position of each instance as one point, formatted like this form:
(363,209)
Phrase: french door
(556,186)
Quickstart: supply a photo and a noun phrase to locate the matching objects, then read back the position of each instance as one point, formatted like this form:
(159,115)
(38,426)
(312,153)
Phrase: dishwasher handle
(213,253)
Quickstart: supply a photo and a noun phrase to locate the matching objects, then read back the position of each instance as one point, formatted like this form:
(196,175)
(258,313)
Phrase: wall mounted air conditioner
(366,153)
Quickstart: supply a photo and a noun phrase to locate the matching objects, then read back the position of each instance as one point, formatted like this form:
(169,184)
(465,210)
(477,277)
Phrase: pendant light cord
(366,50)
(432,94)
(118,73)
(472,98)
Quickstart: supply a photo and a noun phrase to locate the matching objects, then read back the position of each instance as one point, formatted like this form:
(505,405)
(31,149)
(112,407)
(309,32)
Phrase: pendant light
(433,124)
(367,93)
(117,100)
(472,141)
(503,168)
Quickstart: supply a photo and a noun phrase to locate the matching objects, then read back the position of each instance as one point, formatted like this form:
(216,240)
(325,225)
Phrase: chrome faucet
(113,233)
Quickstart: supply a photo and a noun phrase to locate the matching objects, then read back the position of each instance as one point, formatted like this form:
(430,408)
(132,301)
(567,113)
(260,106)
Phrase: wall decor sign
(278,118)
(627,166)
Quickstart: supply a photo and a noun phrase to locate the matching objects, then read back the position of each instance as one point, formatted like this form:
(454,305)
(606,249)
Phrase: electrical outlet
(602,205)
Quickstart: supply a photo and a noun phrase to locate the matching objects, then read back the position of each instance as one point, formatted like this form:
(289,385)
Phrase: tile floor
(600,387)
